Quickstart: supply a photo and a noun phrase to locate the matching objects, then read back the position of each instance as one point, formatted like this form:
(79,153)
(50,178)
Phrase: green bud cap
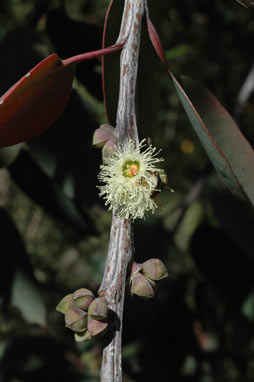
(75,318)
(82,298)
(83,336)
(141,286)
(64,303)
(98,309)
(97,328)
(154,269)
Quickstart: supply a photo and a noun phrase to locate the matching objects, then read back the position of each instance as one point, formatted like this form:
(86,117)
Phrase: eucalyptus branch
(121,247)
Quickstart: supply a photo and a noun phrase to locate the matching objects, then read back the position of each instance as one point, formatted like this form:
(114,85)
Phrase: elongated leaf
(227,148)
(37,99)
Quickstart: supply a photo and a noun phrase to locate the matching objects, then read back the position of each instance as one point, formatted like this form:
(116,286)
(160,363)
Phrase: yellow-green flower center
(130,168)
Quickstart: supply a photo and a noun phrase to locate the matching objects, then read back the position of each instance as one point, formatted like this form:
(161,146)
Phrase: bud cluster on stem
(143,277)
(84,314)
(131,182)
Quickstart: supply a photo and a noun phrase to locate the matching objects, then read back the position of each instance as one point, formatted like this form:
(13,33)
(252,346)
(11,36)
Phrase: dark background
(54,230)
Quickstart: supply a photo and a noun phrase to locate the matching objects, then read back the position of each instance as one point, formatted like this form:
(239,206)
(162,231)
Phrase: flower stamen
(130,168)
(130,178)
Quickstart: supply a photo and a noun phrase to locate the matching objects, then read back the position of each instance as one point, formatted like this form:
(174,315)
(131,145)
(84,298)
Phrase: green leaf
(37,99)
(227,148)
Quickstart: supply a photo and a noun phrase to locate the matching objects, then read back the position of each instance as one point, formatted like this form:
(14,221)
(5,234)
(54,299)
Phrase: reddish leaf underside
(35,101)
(32,104)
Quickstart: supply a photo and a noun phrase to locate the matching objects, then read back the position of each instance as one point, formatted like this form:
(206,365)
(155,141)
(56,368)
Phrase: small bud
(82,298)
(97,328)
(103,134)
(135,268)
(109,148)
(75,319)
(82,336)
(98,309)
(154,269)
(141,286)
(64,303)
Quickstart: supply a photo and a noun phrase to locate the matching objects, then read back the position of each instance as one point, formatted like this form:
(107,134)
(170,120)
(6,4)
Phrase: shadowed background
(54,229)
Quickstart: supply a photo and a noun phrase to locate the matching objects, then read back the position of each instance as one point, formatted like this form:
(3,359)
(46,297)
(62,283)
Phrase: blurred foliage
(55,230)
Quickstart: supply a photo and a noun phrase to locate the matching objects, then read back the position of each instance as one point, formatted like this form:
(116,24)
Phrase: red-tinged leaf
(32,104)
(227,148)
(154,37)
(35,101)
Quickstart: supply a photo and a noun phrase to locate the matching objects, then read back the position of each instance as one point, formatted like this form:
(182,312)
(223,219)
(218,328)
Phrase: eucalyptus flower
(130,179)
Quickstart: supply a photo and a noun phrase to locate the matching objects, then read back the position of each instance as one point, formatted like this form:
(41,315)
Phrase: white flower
(130,178)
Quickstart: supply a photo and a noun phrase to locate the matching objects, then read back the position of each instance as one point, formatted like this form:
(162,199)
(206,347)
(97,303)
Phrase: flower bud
(82,336)
(97,328)
(98,309)
(154,269)
(141,286)
(103,134)
(109,148)
(135,268)
(75,318)
(106,138)
(82,298)
(64,303)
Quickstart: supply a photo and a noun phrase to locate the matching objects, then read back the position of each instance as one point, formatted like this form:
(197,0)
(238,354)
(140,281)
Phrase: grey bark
(120,251)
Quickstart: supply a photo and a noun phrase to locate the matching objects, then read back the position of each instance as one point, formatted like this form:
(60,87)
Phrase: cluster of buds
(143,277)
(86,315)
